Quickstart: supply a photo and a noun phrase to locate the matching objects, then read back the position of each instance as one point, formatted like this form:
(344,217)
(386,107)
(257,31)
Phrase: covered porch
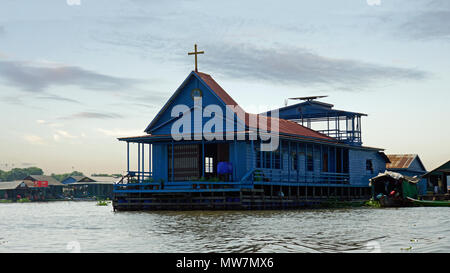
(438,179)
(163,164)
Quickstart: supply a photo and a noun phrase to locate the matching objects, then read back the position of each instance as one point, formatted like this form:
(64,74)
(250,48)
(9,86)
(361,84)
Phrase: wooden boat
(427,203)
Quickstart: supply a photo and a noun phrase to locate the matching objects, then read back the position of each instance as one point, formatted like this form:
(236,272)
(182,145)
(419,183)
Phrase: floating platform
(260,197)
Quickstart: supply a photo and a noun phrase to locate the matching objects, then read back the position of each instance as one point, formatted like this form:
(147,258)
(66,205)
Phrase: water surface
(82,226)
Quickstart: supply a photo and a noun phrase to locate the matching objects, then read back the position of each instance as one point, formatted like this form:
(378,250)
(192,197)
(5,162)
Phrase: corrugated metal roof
(108,179)
(400,161)
(78,177)
(51,181)
(10,185)
(93,183)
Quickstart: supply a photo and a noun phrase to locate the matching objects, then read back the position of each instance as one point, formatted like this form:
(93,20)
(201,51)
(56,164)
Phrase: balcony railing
(283,176)
(144,182)
(343,135)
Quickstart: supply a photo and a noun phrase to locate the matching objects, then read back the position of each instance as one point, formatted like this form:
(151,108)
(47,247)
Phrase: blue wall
(357,166)
(164,123)
(69,180)
(159,162)
(415,169)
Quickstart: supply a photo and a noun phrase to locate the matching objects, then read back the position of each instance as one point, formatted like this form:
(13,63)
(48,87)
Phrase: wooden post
(203,158)
(253,159)
(143,164)
(289,161)
(150,159)
(235,159)
(128,157)
(298,161)
(139,162)
(172,160)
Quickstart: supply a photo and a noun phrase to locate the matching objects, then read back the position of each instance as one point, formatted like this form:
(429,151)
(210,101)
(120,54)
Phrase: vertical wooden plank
(203,158)
(128,157)
(172,160)
(150,159)
(306,162)
(298,161)
(289,161)
(139,162)
(143,157)
(253,158)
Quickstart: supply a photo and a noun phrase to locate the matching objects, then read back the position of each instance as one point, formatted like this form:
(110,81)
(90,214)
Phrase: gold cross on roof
(196,53)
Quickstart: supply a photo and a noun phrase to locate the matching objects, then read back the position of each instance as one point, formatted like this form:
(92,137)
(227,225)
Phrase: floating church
(203,151)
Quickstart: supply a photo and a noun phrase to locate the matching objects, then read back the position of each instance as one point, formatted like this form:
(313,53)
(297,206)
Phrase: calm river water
(83,226)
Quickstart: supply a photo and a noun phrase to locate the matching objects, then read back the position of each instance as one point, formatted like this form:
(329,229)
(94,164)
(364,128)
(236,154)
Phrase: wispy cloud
(65,134)
(301,66)
(57,98)
(15,100)
(428,25)
(421,20)
(39,76)
(34,139)
(48,123)
(93,115)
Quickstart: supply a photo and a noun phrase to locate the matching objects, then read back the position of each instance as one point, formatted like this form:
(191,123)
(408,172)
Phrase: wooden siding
(357,166)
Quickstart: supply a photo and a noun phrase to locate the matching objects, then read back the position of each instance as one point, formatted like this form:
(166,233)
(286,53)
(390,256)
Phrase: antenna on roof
(308,98)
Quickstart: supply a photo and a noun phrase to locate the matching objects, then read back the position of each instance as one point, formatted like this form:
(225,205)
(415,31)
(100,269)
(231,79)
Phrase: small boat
(426,203)
(392,189)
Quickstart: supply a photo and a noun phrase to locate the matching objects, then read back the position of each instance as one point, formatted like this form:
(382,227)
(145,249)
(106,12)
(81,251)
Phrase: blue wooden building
(438,180)
(76,178)
(409,165)
(203,151)
(87,187)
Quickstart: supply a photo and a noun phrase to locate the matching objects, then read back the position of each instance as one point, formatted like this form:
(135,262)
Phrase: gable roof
(106,179)
(197,75)
(402,161)
(51,181)
(443,169)
(77,177)
(11,185)
(217,89)
(285,126)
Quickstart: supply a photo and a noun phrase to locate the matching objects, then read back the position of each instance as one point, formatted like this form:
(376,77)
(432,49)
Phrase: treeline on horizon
(21,173)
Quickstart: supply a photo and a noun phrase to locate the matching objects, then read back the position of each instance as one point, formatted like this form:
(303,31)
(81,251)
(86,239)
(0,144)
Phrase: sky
(77,74)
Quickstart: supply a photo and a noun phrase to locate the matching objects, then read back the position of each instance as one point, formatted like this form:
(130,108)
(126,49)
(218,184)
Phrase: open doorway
(188,162)
(215,153)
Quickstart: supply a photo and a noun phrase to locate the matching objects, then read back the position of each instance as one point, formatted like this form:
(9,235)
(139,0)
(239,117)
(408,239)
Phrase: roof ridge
(225,97)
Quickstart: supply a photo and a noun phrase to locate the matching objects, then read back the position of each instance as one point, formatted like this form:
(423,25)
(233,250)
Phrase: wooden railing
(276,175)
(143,181)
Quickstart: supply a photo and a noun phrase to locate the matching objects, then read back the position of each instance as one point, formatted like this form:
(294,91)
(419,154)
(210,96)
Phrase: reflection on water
(58,226)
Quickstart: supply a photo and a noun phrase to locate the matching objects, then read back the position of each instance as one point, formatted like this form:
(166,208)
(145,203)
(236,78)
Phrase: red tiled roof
(285,126)
(227,99)
(399,161)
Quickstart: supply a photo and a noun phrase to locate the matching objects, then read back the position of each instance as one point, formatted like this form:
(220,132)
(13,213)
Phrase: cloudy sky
(77,74)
